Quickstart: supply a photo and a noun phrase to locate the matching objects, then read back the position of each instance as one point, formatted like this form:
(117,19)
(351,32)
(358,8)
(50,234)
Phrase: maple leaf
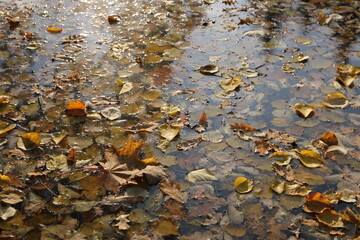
(173,190)
(262,147)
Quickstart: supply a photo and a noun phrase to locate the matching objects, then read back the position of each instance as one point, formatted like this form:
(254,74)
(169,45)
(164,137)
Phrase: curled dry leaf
(316,203)
(113,19)
(311,159)
(304,110)
(295,189)
(209,69)
(336,100)
(76,109)
(347,81)
(243,185)
(329,138)
(54,30)
(330,218)
(281,158)
(29,141)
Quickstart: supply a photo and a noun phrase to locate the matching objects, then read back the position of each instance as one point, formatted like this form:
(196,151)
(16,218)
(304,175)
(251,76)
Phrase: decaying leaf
(262,147)
(277,186)
(203,121)
(311,159)
(209,69)
(168,132)
(304,110)
(111,113)
(231,84)
(330,218)
(171,110)
(347,81)
(166,227)
(243,185)
(76,109)
(122,222)
(336,100)
(329,138)
(126,87)
(241,127)
(295,189)
(316,203)
(186,145)
(281,158)
(7,129)
(29,141)
(172,189)
(200,175)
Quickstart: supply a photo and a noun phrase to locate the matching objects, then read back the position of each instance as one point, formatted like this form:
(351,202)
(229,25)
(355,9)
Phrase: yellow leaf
(7,129)
(304,111)
(330,218)
(130,151)
(336,100)
(29,141)
(281,158)
(76,109)
(243,185)
(4,180)
(316,203)
(311,159)
(150,161)
(54,30)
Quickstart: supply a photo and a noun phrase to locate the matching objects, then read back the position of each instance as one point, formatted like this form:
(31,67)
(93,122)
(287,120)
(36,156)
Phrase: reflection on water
(145,63)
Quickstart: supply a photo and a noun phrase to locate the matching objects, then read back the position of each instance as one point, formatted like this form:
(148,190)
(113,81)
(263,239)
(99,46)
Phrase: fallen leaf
(262,147)
(71,158)
(166,227)
(172,189)
(329,138)
(113,19)
(200,175)
(186,145)
(281,158)
(243,185)
(4,180)
(7,129)
(54,30)
(76,109)
(316,203)
(142,127)
(168,132)
(304,111)
(122,222)
(311,159)
(111,113)
(203,121)
(231,84)
(209,69)
(57,162)
(29,141)
(7,212)
(295,189)
(330,218)
(11,195)
(126,87)
(277,186)
(347,81)
(150,161)
(241,127)
(309,222)
(171,110)
(336,100)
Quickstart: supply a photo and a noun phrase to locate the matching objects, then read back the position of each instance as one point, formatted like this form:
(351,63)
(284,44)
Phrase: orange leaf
(71,158)
(236,127)
(316,203)
(150,161)
(76,109)
(329,138)
(203,120)
(54,30)
(130,151)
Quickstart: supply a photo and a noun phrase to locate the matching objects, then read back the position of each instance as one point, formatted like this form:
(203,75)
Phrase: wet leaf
(29,141)
(203,121)
(347,81)
(122,222)
(11,195)
(168,132)
(126,87)
(304,111)
(311,159)
(7,212)
(295,189)
(330,218)
(235,231)
(111,113)
(209,69)
(57,162)
(281,158)
(114,19)
(173,190)
(241,127)
(186,145)
(232,84)
(150,161)
(262,147)
(300,57)
(277,186)
(4,180)
(336,100)
(200,175)
(166,227)
(329,138)
(243,185)
(171,110)
(76,109)
(7,129)
(316,203)
(54,30)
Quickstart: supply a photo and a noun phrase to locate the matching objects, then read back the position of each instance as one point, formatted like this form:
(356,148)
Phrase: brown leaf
(71,158)
(175,208)
(262,147)
(309,222)
(130,152)
(76,109)
(166,227)
(186,145)
(172,189)
(203,121)
(329,138)
(113,19)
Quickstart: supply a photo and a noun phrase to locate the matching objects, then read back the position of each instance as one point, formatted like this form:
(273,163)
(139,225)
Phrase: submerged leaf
(200,175)
(243,185)
(277,186)
(111,113)
(237,127)
(311,159)
(330,218)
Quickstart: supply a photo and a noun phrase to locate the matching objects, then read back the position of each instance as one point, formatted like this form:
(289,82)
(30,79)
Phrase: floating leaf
(336,100)
(76,109)
(262,147)
(150,161)
(168,132)
(126,87)
(329,138)
(111,113)
(311,159)
(113,19)
(237,127)
(347,81)
(171,110)
(300,57)
(29,141)
(7,129)
(232,84)
(281,158)
(295,189)
(54,30)
(186,145)
(277,186)
(243,185)
(122,222)
(173,190)
(304,111)
(203,120)
(200,175)
(209,69)
(330,218)
(316,203)
(4,180)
